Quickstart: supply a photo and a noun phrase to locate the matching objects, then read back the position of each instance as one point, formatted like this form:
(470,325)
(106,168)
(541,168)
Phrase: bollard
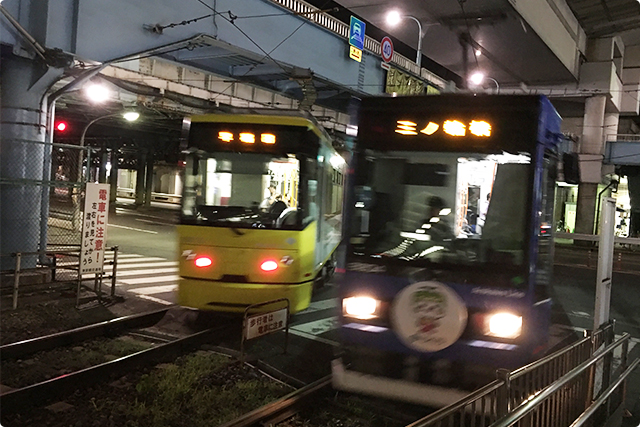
(113,271)
(16,280)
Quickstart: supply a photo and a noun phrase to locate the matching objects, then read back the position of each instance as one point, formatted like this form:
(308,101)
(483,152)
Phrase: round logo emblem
(386,46)
(428,316)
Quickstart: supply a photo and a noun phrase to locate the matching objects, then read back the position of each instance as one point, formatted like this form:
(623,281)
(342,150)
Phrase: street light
(129,116)
(478,77)
(393,19)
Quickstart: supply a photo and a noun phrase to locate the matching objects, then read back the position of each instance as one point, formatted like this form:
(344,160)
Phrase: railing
(338,27)
(559,404)
(53,268)
(623,137)
(513,390)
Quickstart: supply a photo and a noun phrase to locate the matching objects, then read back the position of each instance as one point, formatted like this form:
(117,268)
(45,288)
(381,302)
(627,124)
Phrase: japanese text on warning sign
(265,323)
(94,228)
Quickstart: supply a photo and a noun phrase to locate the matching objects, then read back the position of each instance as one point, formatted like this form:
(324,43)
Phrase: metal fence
(493,403)
(42,206)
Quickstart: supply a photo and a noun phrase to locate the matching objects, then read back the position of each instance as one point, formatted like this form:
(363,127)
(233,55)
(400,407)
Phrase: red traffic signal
(61,126)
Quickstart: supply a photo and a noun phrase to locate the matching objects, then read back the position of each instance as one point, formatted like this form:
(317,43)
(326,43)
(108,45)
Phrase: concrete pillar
(140,179)
(591,146)
(593,124)
(149,180)
(113,180)
(102,171)
(24,157)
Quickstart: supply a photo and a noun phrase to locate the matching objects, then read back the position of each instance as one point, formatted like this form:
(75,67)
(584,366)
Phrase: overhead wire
(267,54)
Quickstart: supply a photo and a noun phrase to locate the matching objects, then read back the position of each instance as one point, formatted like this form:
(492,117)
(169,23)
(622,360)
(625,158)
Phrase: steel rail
(30,346)
(37,394)
(281,408)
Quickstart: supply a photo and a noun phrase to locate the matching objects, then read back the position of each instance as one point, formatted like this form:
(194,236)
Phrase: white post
(605,263)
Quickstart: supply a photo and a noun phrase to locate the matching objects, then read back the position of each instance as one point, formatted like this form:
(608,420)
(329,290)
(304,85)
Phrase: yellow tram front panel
(227,269)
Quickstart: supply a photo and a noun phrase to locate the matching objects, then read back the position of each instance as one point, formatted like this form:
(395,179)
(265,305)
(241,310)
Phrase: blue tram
(449,248)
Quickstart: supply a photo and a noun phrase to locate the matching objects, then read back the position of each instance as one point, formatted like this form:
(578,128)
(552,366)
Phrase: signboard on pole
(265,323)
(386,49)
(94,228)
(356,33)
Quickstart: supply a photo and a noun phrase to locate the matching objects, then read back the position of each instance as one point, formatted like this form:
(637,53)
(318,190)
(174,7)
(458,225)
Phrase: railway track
(317,404)
(164,349)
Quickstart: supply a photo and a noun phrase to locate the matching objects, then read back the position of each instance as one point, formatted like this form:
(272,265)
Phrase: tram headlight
(503,325)
(360,307)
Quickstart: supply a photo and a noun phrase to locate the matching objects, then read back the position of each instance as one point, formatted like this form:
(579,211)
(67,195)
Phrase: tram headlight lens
(360,307)
(503,325)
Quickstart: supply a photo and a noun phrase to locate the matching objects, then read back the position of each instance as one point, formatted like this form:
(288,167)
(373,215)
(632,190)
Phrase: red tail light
(203,261)
(269,265)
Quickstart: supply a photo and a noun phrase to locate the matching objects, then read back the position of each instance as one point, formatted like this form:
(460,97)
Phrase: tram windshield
(451,209)
(242,190)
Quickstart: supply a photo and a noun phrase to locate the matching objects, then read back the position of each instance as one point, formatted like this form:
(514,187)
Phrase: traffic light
(61,126)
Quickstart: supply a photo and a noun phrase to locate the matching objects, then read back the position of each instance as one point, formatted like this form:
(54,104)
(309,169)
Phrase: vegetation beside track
(48,317)
(201,389)
(45,365)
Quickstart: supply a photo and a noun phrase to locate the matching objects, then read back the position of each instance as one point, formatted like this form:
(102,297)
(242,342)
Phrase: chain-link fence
(42,203)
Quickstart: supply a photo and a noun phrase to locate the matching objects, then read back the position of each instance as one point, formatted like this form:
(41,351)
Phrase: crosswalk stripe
(135,260)
(154,290)
(154,299)
(317,327)
(143,280)
(149,264)
(110,256)
(140,272)
(321,305)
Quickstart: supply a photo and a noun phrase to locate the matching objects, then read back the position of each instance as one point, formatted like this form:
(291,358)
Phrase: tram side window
(503,232)
(545,244)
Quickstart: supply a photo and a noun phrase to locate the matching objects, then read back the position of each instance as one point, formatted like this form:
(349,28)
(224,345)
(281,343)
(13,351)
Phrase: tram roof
(267,117)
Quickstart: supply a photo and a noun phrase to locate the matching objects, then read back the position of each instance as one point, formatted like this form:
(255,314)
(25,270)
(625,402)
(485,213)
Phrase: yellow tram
(261,213)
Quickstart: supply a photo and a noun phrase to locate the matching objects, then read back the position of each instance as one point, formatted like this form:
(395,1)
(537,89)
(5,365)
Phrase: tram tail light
(503,325)
(269,265)
(360,307)
(203,261)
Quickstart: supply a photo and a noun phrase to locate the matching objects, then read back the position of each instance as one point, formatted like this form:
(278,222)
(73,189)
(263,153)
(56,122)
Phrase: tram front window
(450,209)
(241,190)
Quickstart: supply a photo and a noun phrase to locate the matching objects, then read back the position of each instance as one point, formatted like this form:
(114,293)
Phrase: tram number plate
(265,323)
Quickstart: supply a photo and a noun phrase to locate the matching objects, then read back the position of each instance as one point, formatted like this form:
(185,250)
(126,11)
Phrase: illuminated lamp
(406,127)
(203,261)
(247,138)
(480,128)
(225,136)
(430,128)
(269,265)
(268,138)
(61,126)
(454,128)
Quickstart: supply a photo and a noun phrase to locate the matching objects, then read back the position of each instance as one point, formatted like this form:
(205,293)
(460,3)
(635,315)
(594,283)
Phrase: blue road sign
(356,33)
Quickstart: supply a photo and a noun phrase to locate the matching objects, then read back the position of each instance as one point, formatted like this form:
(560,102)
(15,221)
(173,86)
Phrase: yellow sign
(355,53)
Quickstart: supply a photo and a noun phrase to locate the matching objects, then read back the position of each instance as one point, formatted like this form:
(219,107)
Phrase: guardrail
(18,272)
(596,238)
(515,389)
